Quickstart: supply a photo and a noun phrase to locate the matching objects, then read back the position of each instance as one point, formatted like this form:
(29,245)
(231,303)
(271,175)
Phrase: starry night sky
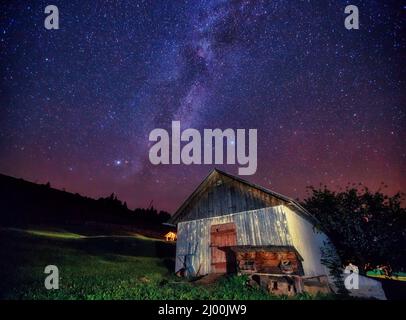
(78,103)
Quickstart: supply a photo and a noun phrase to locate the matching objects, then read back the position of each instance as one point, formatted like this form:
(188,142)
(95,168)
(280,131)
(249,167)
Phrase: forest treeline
(24,202)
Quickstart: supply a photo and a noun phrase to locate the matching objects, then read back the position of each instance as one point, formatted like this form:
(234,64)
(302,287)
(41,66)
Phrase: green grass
(62,234)
(102,267)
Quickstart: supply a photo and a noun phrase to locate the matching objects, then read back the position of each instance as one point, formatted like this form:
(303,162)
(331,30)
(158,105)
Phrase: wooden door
(221,236)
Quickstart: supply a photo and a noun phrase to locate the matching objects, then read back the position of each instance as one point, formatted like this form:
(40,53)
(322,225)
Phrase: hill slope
(26,203)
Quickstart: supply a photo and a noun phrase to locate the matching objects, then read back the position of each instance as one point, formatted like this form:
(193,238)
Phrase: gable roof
(290,202)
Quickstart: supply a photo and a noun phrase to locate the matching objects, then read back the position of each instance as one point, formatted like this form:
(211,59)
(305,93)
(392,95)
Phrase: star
(328,103)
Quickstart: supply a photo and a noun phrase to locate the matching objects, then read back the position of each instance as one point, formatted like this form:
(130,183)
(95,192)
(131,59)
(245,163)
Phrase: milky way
(78,103)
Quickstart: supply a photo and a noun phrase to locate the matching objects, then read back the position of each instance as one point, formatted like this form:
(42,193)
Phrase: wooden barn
(230,225)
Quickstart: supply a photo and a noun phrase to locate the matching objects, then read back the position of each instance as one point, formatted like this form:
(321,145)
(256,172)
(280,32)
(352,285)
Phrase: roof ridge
(241,180)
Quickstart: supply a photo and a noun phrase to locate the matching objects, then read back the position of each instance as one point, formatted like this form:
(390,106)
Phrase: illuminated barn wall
(267,226)
(261,217)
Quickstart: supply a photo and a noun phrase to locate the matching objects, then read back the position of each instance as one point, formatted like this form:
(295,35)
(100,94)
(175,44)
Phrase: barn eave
(294,205)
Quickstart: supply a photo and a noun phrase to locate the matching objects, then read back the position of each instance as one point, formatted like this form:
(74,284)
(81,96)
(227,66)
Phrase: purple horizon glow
(78,104)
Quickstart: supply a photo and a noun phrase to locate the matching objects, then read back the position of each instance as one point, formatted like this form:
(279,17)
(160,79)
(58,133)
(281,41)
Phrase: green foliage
(237,288)
(97,269)
(365,226)
(330,259)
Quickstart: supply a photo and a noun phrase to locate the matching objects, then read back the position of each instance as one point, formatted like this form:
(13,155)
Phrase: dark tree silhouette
(24,202)
(366,227)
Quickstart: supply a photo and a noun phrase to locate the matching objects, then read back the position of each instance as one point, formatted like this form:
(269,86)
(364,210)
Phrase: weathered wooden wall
(267,261)
(308,242)
(276,225)
(223,195)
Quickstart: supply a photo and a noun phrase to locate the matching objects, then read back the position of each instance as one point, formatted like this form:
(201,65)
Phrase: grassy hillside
(102,249)
(91,267)
(101,267)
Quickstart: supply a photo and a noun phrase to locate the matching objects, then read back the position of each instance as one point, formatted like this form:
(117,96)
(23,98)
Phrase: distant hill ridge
(25,202)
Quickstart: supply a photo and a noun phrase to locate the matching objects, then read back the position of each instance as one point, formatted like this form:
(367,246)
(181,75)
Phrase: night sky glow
(78,103)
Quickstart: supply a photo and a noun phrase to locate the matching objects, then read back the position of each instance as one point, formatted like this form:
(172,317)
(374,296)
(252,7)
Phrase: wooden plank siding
(265,226)
(262,217)
(267,259)
(222,235)
(223,195)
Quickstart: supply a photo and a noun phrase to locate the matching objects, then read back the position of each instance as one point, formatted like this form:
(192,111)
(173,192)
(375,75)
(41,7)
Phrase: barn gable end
(221,194)
(226,211)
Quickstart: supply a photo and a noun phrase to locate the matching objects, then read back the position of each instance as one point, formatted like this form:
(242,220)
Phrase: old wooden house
(230,225)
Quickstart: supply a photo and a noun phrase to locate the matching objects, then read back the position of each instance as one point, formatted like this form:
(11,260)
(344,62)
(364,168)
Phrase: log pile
(273,262)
